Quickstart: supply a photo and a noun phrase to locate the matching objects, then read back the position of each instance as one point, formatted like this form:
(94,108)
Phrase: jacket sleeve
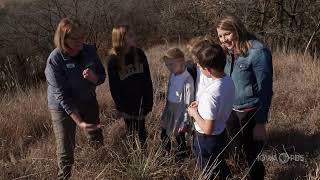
(114,84)
(100,71)
(57,80)
(147,101)
(98,66)
(262,68)
(188,98)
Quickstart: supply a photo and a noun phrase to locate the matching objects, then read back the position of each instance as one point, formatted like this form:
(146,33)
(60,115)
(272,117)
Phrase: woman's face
(75,41)
(227,38)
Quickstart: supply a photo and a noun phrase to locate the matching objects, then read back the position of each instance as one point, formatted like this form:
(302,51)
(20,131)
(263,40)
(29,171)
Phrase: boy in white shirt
(212,110)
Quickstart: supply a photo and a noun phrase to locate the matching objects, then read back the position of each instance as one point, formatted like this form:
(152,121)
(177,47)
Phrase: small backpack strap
(192,69)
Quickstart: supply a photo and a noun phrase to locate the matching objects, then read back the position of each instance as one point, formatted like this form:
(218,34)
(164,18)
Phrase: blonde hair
(118,39)
(66,27)
(173,53)
(235,25)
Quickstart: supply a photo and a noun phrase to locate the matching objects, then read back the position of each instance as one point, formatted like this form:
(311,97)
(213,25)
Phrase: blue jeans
(207,149)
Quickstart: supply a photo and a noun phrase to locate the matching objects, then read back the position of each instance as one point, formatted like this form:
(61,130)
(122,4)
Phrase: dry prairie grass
(27,148)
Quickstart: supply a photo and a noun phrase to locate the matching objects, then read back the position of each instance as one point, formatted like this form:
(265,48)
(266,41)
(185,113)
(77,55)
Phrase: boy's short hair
(196,43)
(173,53)
(209,55)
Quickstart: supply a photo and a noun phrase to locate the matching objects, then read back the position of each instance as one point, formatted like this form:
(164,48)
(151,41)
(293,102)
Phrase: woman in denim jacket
(249,63)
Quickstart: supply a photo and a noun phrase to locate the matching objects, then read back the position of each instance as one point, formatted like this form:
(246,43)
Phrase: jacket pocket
(243,66)
(244,73)
(244,80)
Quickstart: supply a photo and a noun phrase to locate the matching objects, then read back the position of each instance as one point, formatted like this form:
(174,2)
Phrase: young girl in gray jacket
(175,120)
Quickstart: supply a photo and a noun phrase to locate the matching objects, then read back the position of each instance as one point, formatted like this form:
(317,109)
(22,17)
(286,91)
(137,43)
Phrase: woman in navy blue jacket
(73,71)
(249,63)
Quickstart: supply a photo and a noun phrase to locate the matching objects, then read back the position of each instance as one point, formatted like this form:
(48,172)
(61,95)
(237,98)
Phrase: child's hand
(260,132)
(194,104)
(192,111)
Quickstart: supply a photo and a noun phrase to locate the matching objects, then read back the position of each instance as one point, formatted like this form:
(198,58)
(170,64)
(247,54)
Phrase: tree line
(27,27)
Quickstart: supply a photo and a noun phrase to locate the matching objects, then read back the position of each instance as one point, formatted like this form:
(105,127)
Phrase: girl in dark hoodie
(129,80)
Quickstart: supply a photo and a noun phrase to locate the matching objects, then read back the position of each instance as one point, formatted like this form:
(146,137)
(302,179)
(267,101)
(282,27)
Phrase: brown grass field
(27,144)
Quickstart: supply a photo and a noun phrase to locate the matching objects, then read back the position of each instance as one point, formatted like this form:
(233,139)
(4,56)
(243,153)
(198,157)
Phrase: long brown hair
(119,44)
(66,27)
(235,25)
(119,39)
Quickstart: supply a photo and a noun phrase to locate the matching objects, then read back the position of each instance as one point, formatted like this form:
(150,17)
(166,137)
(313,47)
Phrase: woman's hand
(89,127)
(83,125)
(90,75)
(260,132)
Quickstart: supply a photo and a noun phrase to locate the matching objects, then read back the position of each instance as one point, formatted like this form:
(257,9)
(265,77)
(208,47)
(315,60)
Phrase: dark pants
(181,140)
(137,125)
(207,149)
(245,142)
(64,129)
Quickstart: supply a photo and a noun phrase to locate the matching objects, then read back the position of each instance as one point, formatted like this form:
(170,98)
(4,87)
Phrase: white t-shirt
(201,83)
(215,103)
(176,86)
